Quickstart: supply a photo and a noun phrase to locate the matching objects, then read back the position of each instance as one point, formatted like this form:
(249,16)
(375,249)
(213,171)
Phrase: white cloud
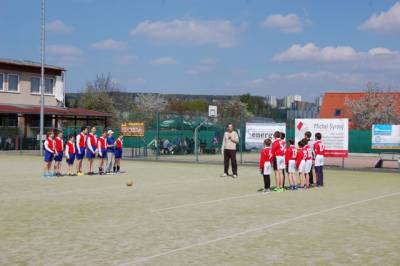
(289,23)
(125,59)
(311,52)
(63,50)
(64,55)
(167,60)
(386,22)
(108,44)
(208,61)
(198,32)
(375,58)
(57,26)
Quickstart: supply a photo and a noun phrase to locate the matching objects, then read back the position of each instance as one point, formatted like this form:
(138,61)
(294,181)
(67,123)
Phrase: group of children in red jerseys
(86,143)
(278,157)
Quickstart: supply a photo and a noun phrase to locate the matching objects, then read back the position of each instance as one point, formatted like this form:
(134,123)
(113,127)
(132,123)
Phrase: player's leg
(226,162)
(234,163)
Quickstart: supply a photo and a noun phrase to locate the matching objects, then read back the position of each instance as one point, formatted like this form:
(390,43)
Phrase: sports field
(185,214)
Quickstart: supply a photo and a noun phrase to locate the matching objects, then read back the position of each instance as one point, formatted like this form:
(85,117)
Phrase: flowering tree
(375,107)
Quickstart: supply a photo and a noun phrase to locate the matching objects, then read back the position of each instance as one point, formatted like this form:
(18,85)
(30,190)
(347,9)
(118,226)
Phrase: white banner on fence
(335,134)
(386,137)
(256,133)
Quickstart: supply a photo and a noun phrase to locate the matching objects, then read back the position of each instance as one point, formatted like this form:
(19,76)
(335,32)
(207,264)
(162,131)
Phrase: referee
(229,142)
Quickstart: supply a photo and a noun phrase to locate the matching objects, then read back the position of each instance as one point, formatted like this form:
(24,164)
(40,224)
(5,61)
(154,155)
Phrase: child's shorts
(58,157)
(48,156)
(118,153)
(103,154)
(302,167)
(267,168)
(280,162)
(319,160)
(90,154)
(308,166)
(71,159)
(79,156)
(292,166)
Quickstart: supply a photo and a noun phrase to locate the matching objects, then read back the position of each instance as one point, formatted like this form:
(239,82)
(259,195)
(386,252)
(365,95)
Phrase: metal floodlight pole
(42,81)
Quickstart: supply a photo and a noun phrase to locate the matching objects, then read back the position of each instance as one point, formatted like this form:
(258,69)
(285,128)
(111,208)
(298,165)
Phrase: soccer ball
(129,183)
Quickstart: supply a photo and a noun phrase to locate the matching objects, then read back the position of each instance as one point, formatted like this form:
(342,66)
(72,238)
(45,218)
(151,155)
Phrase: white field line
(207,202)
(261,228)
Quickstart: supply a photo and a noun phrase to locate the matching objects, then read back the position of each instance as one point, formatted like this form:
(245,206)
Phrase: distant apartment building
(20,100)
(289,99)
(271,101)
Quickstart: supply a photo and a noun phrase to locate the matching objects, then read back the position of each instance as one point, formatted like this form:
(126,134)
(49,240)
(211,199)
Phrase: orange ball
(129,183)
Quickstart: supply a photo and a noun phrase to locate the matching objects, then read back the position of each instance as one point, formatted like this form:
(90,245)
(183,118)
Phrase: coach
(229,142)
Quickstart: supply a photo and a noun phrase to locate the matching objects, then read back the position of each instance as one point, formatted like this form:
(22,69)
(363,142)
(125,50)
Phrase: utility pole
(42,80)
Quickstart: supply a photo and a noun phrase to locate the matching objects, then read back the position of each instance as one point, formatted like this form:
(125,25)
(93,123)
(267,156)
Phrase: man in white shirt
(228,148)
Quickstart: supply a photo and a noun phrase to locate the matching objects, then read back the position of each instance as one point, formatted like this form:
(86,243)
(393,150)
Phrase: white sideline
(207,202)
(147,258)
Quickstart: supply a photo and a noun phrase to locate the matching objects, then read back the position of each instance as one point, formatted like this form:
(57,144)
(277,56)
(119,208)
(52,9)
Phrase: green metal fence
(168,134)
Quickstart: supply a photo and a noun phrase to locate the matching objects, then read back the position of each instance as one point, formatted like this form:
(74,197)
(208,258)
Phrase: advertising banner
(386,137)
(132,129)
(256,133)
(335,134)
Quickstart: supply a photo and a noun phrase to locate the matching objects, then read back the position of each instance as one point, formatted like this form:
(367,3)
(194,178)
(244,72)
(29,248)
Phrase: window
(338,112)
(49,85)
(1,82)
(35,85)
(13,83)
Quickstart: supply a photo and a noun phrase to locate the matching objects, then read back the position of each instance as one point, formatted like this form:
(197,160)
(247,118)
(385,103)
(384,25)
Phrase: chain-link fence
(177,137)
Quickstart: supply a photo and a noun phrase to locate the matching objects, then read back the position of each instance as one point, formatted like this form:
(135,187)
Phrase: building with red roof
(334,103)
(20,100)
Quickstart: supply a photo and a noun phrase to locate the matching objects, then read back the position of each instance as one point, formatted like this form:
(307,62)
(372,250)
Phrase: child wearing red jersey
(59,149)
(290,158)
(49,152)
(91,148)
(278,161)
(283,144)
(80,149)
(319,151)
(102,148)
(118,152)
(265,164)
(70,154)
(301,162)
(308,164)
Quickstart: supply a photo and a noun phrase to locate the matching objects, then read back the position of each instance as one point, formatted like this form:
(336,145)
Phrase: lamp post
(42,80)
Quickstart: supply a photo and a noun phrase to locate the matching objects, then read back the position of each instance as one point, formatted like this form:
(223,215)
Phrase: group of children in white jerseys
(283,158)
(86,143)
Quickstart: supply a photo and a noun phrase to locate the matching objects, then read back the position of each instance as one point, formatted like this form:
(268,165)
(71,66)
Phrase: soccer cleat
(224,175)
(234,176)
(79,174)
(276,189)
(267,191)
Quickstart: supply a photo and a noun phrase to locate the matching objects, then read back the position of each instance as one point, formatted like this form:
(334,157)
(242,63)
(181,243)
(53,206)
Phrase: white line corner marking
(147,258)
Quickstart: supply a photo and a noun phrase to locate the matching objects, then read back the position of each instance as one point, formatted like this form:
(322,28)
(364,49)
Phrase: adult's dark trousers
(267,181)
(311,175)
(230,155)
(319,171)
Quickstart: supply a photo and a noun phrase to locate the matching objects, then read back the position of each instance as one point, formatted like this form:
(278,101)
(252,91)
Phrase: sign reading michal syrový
(335,134)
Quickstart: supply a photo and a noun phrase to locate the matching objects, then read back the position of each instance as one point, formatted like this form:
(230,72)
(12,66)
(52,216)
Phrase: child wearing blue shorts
(48,153)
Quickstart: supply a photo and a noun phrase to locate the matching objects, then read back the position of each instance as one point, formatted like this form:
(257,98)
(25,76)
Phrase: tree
(96,96)
(375,107)
(256,105)
(150,102)
(195,106)
(232,111)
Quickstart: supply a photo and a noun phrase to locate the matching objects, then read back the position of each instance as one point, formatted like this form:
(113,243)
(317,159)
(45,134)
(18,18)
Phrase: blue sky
(213,47)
